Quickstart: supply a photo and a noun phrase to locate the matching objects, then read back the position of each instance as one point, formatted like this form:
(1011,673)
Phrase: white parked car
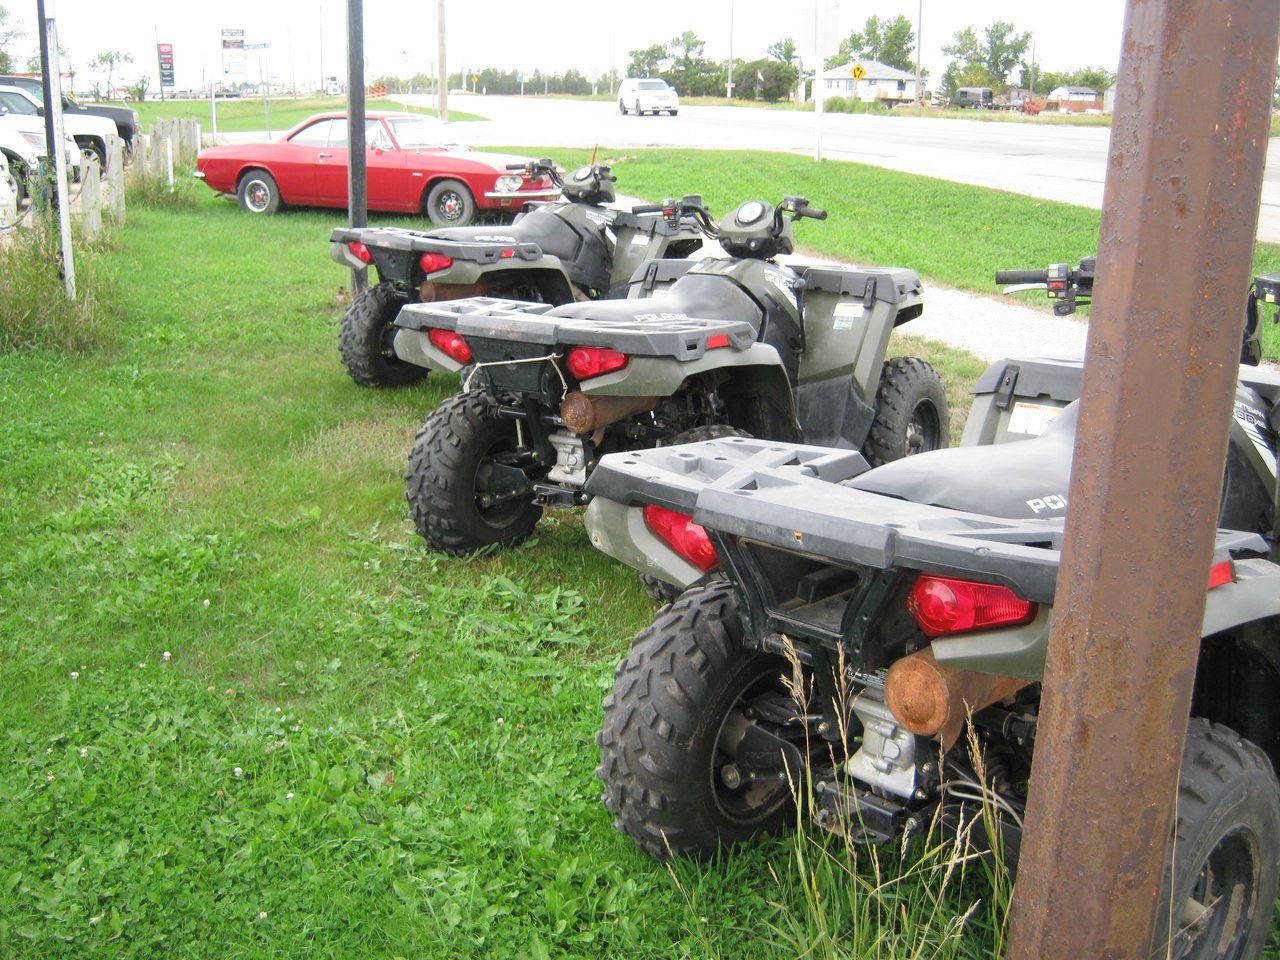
(8,196)
(22,143)
(641,95)
(91,133)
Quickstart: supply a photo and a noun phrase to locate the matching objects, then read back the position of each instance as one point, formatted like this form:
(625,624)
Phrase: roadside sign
(858,71)
(257,46)
(474,78)
(164,51)
(233,62)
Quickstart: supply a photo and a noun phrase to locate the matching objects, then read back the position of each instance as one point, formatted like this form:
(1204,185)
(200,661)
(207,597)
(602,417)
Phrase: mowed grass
(246,113)
(247,714)
(951,233)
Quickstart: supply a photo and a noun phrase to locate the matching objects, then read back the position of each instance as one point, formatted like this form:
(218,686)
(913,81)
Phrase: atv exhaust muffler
(930,698)
(583,414)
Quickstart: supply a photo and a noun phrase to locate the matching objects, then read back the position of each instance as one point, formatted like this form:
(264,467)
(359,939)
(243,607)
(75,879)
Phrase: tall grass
(34,310)
(156,193)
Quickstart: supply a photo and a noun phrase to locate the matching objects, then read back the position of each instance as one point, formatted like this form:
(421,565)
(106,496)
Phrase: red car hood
(496,161)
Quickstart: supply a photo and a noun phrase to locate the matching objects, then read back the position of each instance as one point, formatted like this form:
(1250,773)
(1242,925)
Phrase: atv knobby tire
(660,590)
(365,340)
(441,480)
(1224,852)
(912,414)
(670,698)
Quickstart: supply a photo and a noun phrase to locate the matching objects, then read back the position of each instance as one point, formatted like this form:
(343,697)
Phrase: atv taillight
(685,537)
(718,340)
(451,344)
(431,262)
(943,606)
(587,362)
(360,251)
(1220,574)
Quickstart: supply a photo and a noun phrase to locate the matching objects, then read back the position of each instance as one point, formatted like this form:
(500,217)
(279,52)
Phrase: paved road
(1053,162)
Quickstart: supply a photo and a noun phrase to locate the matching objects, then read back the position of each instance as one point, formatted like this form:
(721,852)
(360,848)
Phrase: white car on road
(641,95)
(90,132)
(22,143)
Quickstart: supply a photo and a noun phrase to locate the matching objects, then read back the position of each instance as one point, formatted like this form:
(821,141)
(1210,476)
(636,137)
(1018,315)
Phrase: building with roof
(878,82)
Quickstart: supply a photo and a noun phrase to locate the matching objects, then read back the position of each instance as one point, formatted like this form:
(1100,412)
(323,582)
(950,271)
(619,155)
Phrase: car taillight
(360,251)
(431,262)
(1220,574)
(587,362)
(943,606)
(685,537)
(451,344)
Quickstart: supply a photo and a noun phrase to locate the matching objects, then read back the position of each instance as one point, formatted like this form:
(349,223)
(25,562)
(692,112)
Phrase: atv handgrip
(812,212)
(648,208)
(1009,277)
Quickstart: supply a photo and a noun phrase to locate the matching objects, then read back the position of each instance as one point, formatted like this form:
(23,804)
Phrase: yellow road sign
(858,71)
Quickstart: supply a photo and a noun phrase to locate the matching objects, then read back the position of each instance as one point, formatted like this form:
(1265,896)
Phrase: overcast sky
(400,35)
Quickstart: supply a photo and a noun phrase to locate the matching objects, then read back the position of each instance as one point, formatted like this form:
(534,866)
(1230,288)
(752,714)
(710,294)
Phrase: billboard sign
(233,65)
(164,51)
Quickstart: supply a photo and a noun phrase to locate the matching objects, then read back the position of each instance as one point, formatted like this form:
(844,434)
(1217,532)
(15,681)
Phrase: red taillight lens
(431,262)
(360,251)
(1220,574)
(587,362)
(508,253)
(451,344)
(685,537)
(719,340)
(945,606)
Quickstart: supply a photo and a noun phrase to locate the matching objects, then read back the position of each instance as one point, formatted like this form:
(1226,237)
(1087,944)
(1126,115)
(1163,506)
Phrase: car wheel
(450,204)
(622,108)
(94,150)
(258,192)
(674,112)
(639,112)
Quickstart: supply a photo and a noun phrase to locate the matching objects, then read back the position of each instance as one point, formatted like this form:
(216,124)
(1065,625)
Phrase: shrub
(157,194)
(836,105)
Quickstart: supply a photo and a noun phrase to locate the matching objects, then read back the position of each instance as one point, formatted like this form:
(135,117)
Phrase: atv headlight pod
(750,212)
(508,184)
(582,174)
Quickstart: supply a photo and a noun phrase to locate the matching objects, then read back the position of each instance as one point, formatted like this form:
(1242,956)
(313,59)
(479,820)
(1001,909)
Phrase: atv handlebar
(538,168)
(1007,277)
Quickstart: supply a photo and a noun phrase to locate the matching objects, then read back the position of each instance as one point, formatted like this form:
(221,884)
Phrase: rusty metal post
(1181,210)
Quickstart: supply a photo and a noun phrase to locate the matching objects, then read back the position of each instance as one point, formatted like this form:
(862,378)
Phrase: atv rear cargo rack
(684,338)
(395,248)
(790,496)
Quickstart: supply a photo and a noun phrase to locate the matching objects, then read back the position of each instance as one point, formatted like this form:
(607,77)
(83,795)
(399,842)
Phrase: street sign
(233,62)
(257,46)
(164,51)
(858,71)
(474,78)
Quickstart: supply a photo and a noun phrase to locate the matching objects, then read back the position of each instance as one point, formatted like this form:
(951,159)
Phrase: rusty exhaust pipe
(931,698)
(584,414)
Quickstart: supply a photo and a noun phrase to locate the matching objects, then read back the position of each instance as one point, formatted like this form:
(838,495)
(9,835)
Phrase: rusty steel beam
(1179,219)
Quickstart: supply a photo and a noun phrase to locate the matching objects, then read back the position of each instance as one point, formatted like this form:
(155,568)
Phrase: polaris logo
(650,317)
(1050,503)
(494,238)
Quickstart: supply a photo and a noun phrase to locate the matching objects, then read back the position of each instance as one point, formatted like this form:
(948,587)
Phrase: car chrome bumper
(199,174)
(549,194)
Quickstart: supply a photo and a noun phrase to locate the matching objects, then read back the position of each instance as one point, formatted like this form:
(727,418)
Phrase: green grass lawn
(248,715)
(246,113)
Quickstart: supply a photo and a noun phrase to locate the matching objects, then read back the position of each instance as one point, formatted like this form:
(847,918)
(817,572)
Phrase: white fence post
(115,179)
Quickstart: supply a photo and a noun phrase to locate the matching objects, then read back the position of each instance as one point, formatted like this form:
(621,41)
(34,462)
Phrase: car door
(295,162)
(384,168)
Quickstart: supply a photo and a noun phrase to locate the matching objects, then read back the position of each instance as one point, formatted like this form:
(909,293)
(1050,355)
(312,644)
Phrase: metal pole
(264,67)
(442,81)
(52,84)
(1179,219)
(728,90)
(357,183)
(919,48)
(213,107)
(819,86)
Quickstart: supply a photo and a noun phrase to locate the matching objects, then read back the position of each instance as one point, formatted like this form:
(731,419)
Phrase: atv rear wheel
(668,783)
(365,340)
(912,414)
(658,589)
(1224,870)
(457,446)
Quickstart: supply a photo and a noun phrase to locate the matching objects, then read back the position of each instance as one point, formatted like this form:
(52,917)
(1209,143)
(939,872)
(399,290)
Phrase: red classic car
(412,169)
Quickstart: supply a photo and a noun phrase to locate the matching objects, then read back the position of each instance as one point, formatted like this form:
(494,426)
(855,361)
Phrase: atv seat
(552,235)
(693,296)
(1021,480)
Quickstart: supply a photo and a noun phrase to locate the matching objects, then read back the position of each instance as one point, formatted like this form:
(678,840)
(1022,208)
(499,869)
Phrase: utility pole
(442,81)
(919,49)
(53,136)
(819,86)
(321,23)
(1180,215)
(357,181)
(1031,85)
(728,90)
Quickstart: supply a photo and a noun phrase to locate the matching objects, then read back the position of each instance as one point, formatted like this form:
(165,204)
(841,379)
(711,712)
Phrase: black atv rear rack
(684,338)
(790,496)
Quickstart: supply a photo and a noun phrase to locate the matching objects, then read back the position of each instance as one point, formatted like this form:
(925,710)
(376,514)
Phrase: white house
(1071,94)
(878,82)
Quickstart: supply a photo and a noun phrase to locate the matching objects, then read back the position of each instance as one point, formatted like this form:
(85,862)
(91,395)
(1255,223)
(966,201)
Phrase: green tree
(9,34)
(766,79)
(110,60)
(891,42)
(784,51)
(690,72)
(997,51)
(648,62)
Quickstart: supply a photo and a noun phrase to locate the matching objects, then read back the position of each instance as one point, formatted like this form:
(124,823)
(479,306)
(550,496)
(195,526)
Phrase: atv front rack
(790,496)
(651,335)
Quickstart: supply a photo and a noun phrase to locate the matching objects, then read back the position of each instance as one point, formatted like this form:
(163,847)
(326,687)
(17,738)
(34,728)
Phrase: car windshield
(17,103)
(412,133)
(653,85)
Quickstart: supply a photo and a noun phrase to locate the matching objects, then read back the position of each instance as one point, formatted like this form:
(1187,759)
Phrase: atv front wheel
(688,684)
(658,589)
(453,458)
(1224,870)
(365,340)
(912,414)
